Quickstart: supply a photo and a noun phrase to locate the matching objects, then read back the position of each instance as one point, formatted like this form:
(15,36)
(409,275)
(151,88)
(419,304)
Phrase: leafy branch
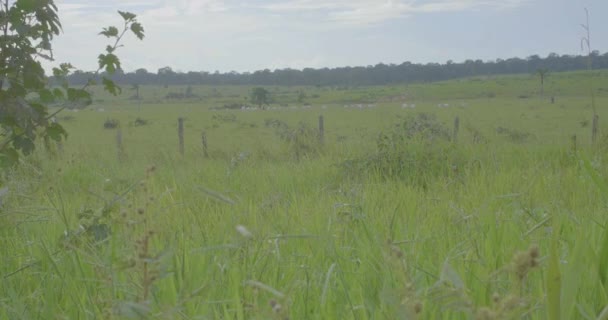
(26,31)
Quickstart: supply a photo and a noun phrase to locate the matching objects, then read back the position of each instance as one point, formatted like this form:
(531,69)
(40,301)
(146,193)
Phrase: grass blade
(603,262)
(553,283)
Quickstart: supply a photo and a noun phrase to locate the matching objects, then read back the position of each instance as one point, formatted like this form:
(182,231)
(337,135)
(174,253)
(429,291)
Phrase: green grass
(255,232)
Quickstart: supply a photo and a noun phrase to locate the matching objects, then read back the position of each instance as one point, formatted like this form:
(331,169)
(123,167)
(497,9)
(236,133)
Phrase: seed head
(276,307)
(244,232)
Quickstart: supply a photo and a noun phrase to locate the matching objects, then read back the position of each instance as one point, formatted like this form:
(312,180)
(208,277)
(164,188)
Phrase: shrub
(513,134)
(140,122)
(416,151)
(224,117)
(232,106)
(111,124)
(302,141)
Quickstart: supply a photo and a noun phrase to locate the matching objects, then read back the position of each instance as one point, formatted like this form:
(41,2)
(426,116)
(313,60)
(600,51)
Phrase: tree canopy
(260,96)
(379,74)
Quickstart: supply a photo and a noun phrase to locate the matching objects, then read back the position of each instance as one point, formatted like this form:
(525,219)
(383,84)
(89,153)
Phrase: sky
(249,35)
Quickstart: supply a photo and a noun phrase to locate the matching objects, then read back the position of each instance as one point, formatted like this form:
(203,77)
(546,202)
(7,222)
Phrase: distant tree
(165,71)
(379,74)
(165,75)
(189,92)
(302,97)
(135,87)
(542,74)
(27,28)
(260,96)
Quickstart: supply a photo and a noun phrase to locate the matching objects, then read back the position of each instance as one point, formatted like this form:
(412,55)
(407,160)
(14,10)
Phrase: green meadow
(395,212)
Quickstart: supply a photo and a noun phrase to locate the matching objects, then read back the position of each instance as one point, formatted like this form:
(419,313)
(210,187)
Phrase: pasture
(377,221)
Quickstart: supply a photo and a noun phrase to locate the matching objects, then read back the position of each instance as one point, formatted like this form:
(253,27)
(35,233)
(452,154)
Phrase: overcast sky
(239,35)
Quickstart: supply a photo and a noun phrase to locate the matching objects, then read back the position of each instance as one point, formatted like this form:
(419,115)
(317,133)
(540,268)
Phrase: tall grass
(511,230)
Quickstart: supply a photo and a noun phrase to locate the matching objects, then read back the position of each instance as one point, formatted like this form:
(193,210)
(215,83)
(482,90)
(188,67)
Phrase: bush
(140,122)
(513,134)
(220,117)
(232,106)
(302,141)
(417,151)
(111,124)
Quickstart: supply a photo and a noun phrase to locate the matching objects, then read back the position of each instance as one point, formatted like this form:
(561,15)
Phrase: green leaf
(110,62)
(56,132)
(40,109)
(33,75)
(111,87)
(57,73)
(66,67)
(27,5)
(46,96)
(138,30)
(25,144)
(8,157)
(110,32)
(128,16)
(58,94)
(79,98)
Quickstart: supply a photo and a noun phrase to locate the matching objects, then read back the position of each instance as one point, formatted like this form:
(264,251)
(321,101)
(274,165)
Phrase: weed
(111,124)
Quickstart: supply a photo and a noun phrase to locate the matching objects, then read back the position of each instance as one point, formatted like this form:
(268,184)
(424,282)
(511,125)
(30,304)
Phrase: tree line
(379,74)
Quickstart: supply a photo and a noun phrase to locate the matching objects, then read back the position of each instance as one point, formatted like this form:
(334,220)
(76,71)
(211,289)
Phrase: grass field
(378,221)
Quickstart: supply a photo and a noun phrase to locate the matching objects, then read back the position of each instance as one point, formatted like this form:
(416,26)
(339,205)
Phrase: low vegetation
(390,215)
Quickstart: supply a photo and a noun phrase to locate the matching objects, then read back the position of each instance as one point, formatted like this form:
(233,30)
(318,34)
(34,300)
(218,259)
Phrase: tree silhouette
(542,74)
(260,96)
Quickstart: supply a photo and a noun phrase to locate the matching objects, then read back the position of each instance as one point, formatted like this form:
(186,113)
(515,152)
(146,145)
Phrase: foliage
(417,150)
(140,122)
(379,74)
(187,94)
(514,135)
(302,141)
(260,96)
(542,74)
(516,233)
(28,28)
(111,124)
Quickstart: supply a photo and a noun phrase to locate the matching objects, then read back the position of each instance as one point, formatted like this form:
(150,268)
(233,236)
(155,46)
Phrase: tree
(302,97)
(542,74)
(135,87)
(26,31)
(260,96)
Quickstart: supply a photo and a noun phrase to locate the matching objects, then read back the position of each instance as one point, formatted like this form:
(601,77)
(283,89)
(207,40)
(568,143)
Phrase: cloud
(241,34)
(365,12)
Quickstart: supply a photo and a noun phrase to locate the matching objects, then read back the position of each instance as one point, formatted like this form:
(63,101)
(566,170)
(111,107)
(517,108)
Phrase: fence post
(204,141)
(119,146)
(594,128)
(574,143)
(456,128)
(321,130)
(180,134)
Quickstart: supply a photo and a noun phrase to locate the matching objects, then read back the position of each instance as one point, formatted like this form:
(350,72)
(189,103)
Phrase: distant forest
(380,74)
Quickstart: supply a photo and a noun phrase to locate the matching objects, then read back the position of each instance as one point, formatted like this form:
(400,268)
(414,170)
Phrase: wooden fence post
(321,130)
(204,141)
(574,143)
(595,129)
(456,128)
(180,134)
(119,146)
